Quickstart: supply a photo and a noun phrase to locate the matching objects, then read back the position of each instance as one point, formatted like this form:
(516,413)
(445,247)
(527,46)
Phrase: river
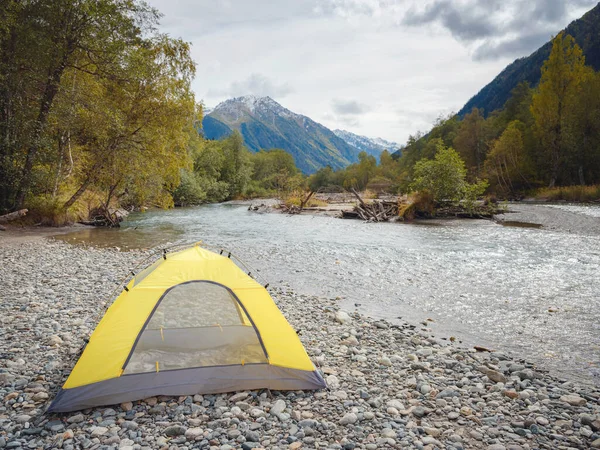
(530,292)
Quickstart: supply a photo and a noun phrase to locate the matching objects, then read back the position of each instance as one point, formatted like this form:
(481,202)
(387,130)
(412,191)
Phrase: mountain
(265,124)
(372,146)
(494,95)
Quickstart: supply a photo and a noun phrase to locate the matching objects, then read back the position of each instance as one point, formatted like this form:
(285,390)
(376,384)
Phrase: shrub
(444,177)
(48,211)
(420,204)
(190,191)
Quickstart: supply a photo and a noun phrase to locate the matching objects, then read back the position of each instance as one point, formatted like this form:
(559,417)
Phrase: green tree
(41,41)
(445,177)
(237,167)
(134,125)
(562,75)
(322,178)
(507,161)
(582,131)
(471,140)
(273,169)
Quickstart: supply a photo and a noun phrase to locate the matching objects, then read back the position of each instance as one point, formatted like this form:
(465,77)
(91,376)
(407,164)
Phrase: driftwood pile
(378,211)
(105,217)
(294,209)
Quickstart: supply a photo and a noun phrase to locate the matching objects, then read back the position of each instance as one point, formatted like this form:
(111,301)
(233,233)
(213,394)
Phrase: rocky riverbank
(390,386)
(550,217)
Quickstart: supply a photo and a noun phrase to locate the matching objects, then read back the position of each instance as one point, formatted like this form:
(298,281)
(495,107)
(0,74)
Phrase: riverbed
(532,292)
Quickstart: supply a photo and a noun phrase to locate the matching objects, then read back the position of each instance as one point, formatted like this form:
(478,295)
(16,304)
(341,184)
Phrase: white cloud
(255,84)
(310,54)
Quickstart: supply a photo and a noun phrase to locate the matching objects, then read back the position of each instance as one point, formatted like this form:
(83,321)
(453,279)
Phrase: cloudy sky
(382,68)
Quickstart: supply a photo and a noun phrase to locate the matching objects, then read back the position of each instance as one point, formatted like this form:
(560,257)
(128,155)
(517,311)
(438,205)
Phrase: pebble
(349,418)
(390,386)
(278,407)
(573,399)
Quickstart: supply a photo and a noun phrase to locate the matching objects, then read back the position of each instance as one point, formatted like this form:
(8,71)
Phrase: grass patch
(570,193)
(48,211)
(296,199)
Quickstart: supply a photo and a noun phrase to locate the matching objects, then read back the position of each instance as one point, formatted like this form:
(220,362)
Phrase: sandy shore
(390,386)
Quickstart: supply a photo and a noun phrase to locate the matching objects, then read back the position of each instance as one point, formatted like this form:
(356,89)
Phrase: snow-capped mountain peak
(234,108)
(373,146)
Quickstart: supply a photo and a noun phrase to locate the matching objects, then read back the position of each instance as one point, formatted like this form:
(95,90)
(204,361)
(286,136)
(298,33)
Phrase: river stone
(332,381)
(573,400)
(175,430)
(22,419)
(432,431)
(511,394)
(397,404)
(428,440)
(349,418)
(238,397)
(278,407)
(385,361)
(76,418)
(127,406)
(85,277)
(419,411)
(257,412)
(99,431)
(493,375)
(342,317)
(193,433)
(388,433)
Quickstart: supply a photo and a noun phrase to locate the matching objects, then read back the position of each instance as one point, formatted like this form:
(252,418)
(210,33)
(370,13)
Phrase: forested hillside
(543,136)
(494,95)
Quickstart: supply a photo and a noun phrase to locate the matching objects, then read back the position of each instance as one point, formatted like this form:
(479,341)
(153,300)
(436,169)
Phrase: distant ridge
(373,146)
(586,32)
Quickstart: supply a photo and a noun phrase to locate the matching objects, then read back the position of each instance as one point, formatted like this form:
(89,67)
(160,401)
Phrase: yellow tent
(191,323)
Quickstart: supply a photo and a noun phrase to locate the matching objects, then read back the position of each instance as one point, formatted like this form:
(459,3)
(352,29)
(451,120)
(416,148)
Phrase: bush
(255,190)
(419,205)
(216,191)
(190,190)
(48,211)
(444,177)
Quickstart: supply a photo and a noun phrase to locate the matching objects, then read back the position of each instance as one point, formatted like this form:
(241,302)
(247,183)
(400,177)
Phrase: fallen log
(13,216)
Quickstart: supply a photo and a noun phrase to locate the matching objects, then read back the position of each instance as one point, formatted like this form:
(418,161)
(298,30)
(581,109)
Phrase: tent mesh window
(196,324)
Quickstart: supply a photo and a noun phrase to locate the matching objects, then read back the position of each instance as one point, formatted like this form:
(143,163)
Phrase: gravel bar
(390,386)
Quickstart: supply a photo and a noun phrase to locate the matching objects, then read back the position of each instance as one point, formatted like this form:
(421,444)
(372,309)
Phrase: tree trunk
(79,192)
(59,168)
(50,91)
